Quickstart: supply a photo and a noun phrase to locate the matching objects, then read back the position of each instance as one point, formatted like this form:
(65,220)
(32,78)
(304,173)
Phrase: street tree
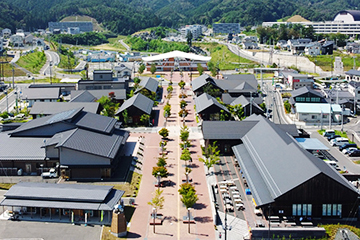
(164,133)
(153,68)
(141,68)
(184,133)
(181,84)
(200,69)
(157,202)
(145,119)
(162,170)
(210,155)
(189,37)
(183,104)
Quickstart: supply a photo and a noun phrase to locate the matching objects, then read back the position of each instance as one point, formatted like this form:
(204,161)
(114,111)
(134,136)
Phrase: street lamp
(158,178)
(13,80)
(7,101)
(189,219)
(154,216)
(226,227)
(183,116)
(187,177)
(50,65)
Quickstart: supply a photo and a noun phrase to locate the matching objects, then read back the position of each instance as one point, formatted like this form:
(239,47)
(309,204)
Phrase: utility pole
(13,80)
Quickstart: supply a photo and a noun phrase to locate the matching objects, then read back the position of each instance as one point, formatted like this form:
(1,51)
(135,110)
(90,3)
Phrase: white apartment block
(196,31)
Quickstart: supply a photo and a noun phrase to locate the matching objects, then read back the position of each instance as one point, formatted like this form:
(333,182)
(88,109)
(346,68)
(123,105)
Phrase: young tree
(137,80)
(183,104)
(184,133)
(162,170)
(200,69)
(164,133)
(141,68)
(189,38)
(157,202)
(183,111)
(109,105)
(188,198)
(185,155)
(145,119)
(211,155)
(181,84)
(161,162)
(169,89)
(167,110)
(153,68)
(125,116)
(212,68)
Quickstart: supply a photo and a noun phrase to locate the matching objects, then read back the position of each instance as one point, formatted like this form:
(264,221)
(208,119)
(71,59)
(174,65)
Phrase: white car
(346,150)
(339,141)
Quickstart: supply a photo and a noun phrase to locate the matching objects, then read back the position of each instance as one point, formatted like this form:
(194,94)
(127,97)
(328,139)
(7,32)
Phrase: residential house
(82,145)
(65,89)
(297,46)
(249,107)
(208,108)
(313,49)
(300,186)
(148,86)
(29,38)
(327,48)
(32,95)
(6,33)
(41,109)
(352,47)
(93,204)
(122,71)
(16,40)
(103,79)
(307,95)
(352,75)
(203,83)
(135,107)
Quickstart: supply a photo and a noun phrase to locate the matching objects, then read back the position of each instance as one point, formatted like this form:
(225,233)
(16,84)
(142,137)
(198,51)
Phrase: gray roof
(48,108)
(354,13)
(269,170)
(93,143)
(205,101)
(303,90)
(71,196)
(355,84)
(353,72)
(228,130)
(73,118)
(139,101)
(93,95)
(40,93)
(244,101)
(82,96)
(243,77)
(53,85)
(12,148)
(237,85)
(201,81)
(148,83)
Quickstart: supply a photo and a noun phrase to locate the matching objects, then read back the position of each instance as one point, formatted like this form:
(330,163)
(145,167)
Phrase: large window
(331,210)
(301,209)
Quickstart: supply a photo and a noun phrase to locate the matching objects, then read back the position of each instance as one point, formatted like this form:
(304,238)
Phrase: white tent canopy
(176,54)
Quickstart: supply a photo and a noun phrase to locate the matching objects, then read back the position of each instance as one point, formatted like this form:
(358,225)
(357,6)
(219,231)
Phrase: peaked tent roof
(269,171)
(176,54)
(139,101)
(204,101)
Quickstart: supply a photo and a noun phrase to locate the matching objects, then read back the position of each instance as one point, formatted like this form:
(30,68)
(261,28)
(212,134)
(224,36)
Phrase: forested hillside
(128,16)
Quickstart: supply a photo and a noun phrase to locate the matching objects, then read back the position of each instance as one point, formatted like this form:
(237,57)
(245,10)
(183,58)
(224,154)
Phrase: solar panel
(62,116)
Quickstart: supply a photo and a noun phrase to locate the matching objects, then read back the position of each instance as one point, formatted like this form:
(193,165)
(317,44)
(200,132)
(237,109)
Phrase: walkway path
(173,211)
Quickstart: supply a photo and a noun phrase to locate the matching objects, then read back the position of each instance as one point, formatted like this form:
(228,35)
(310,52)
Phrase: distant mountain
(128,16)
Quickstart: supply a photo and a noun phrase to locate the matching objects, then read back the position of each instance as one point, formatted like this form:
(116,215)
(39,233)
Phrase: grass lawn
(326,61)
(6,186)
(32,61)
(113,44)
(221,55)
(8,68)
(331,229)
(44,80)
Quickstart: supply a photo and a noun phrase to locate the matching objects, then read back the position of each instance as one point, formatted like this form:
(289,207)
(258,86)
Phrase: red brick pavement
(173,211)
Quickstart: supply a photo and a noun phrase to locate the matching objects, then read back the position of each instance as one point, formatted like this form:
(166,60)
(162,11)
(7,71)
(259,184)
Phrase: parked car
(328,133)
(339,141)
(51,174)
(355,153)
(348,150)
(347,145)
(329,138)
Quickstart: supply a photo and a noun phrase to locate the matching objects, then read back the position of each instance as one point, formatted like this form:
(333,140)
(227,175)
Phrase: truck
(347,112)
(51,174)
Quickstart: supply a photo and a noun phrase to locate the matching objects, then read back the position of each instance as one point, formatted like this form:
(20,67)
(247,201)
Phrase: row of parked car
(343,143)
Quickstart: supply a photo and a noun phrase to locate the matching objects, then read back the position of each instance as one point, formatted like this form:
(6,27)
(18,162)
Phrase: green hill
(128,16)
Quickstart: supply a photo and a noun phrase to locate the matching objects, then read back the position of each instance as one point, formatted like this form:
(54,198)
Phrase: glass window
(324,209)
(299,209)
(309,210)
(294,209)
(328,212)
(334,210)
(339,209)
(304,209)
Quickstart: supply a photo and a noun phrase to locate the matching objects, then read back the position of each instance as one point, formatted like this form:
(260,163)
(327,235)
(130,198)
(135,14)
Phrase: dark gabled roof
(242,77)
(93,143)
(205,101)
(82,96)
(228,130)
(354,84)
(303,90)
(201,81)
(67,196)
(227,98)
(139,101)
(23,149)
(237,85)
(354,13)
(353,72)
(53,85)
(328,43)
(40,93)
(102,72)
(268,167)
(48,120)
(244,102)
(148,83)
(48,108)
(95,122)
(75,118)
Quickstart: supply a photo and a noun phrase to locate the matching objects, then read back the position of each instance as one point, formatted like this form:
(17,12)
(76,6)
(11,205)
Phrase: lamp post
(154,216)
(7,101)
(187,177)
(189,219)
(50,65)
(183,116)
(226,227)
(158,178)
(13,79)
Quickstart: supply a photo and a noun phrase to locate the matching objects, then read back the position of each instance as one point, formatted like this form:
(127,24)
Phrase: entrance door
(28,168)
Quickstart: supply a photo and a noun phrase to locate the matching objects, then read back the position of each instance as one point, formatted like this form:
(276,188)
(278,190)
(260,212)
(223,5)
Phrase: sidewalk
(173,211)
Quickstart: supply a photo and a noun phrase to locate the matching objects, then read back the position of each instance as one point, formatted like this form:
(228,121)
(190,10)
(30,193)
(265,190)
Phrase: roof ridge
(63,142)
(113,146)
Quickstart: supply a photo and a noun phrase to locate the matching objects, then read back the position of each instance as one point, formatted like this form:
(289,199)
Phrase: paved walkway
(173,211)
